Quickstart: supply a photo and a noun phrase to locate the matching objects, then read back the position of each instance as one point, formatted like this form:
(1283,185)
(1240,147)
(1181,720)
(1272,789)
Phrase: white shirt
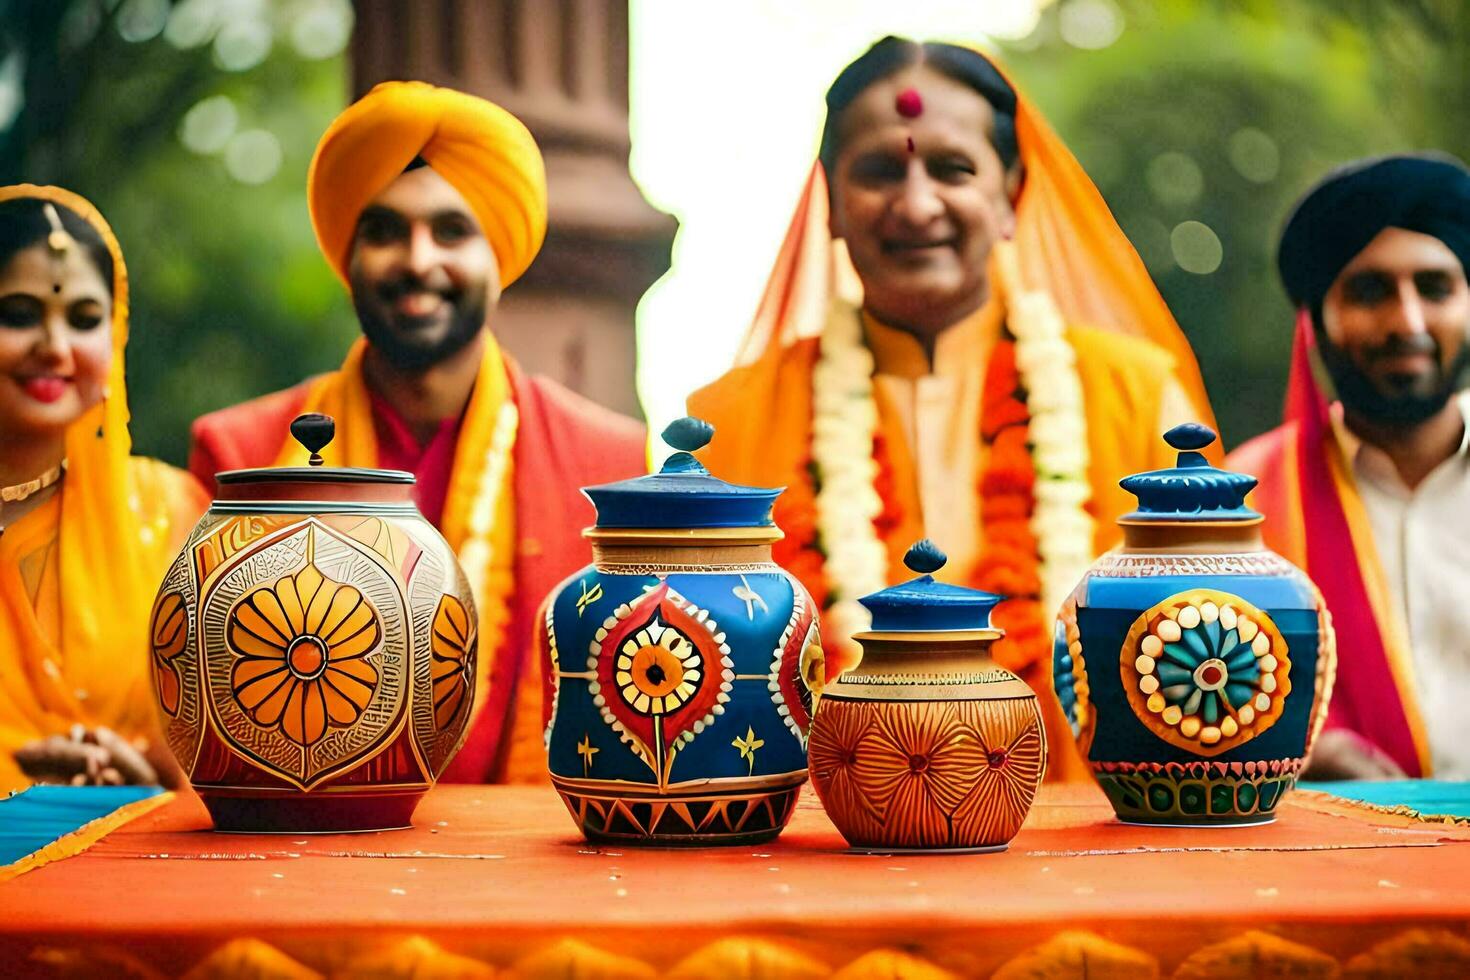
(1423,541)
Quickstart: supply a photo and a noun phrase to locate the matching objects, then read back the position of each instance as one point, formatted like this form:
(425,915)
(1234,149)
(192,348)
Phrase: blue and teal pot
(1193,664)
(679,708)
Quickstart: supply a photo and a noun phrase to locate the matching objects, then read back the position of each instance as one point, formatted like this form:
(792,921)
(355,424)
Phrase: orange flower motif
(169,633)
(837,730)
(1010,737)
(302,644)
(916,765)
(453,660)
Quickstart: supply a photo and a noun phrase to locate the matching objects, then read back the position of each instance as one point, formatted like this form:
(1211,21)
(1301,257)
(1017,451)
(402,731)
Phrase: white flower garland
(845,419)
(1057,434)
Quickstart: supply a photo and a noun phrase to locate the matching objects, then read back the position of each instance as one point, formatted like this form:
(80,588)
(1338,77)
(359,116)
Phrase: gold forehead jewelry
(60,240)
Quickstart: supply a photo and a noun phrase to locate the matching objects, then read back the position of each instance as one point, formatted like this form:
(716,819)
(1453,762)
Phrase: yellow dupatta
(479,507)
(114,521)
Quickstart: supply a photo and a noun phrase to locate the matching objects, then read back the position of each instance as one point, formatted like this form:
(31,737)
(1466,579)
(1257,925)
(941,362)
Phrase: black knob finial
(314,430)
(925,557)
(688,434)
(1189,436)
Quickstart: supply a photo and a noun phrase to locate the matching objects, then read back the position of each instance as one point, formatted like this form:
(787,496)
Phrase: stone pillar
(562,67)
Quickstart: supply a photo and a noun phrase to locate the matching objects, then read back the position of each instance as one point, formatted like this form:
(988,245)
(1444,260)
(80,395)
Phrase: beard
(1363,396)
(403,340)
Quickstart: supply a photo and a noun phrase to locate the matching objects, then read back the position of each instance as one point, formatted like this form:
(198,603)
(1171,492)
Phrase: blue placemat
(1431,797)
(42,814)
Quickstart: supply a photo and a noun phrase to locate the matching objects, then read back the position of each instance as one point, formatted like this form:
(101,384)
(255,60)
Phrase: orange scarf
(115,521)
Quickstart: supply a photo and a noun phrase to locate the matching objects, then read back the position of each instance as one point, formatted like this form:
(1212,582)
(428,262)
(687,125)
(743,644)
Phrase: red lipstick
(46,388)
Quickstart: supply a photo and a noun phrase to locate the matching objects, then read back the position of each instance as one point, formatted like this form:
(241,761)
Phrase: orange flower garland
(1008,564)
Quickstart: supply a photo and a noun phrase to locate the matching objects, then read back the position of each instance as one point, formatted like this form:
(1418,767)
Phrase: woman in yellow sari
(86,529)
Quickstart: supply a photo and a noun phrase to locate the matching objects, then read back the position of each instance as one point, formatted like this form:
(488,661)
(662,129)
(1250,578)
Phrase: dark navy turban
(1337,219)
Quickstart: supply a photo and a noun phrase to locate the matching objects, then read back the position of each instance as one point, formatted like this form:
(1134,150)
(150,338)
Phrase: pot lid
(682,494)
(922,605)
(1192,490)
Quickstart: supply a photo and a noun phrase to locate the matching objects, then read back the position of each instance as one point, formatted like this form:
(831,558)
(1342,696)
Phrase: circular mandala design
(657,669)
(301,645)
(1206,671)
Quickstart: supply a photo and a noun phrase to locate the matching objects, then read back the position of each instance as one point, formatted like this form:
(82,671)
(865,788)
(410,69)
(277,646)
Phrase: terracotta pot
(314,649)
(928,744)
(678,712)
(1194,665)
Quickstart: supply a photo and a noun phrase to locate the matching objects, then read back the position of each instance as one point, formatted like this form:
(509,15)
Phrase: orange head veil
(107,559)
(1067,244)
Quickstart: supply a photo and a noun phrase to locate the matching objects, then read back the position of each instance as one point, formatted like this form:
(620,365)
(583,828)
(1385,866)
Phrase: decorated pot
(1193,664)
(678,710)
(314,648)
(928,744)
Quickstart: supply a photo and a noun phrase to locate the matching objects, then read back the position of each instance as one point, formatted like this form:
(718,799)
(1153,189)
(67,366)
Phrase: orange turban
(486,153)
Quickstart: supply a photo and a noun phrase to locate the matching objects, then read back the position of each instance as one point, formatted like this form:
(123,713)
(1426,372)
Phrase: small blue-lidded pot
(679,707)
(1193,664)
(928,744)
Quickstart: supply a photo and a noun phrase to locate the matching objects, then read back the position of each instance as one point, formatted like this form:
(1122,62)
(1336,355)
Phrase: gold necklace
(20,491)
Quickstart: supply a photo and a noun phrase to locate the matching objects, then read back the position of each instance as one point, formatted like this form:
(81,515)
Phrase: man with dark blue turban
(1370,493)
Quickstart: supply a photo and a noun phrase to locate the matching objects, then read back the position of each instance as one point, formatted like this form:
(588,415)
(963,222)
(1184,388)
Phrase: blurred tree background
(191,123)
(1202,122)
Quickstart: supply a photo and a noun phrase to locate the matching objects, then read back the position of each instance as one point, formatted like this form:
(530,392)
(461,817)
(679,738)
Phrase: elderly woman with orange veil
(957,342)
(86,529)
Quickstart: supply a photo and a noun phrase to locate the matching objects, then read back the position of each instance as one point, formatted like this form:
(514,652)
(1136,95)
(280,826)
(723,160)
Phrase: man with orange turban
(916,367)
(428,202)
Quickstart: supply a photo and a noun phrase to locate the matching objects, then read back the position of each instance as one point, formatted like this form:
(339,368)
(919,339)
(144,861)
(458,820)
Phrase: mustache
(410,283)
(1398,346)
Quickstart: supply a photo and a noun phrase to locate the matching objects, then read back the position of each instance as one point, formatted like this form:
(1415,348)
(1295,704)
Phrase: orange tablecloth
(496,878)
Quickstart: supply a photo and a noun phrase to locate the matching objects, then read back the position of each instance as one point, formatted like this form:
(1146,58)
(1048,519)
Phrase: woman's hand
(86,757)
(1343,754)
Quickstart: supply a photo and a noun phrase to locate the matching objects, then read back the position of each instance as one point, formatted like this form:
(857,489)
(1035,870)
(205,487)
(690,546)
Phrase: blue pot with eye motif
(679,663)
(1194,664)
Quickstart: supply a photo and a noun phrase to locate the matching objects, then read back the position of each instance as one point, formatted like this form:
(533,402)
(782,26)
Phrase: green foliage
(230,296)
(1157,119)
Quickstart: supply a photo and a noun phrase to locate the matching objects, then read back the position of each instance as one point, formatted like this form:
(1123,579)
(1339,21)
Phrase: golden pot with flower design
(314,648)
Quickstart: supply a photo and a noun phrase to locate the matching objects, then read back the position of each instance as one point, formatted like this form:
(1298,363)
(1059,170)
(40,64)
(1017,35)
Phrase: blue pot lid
(1193,490)
(922,605)
(682,494)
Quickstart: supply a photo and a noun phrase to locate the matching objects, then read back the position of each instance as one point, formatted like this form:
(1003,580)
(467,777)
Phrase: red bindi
(909,103)
(911,144)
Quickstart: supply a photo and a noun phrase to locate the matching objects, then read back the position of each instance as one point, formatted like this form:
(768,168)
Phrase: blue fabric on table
(42,814)
(1428,796)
